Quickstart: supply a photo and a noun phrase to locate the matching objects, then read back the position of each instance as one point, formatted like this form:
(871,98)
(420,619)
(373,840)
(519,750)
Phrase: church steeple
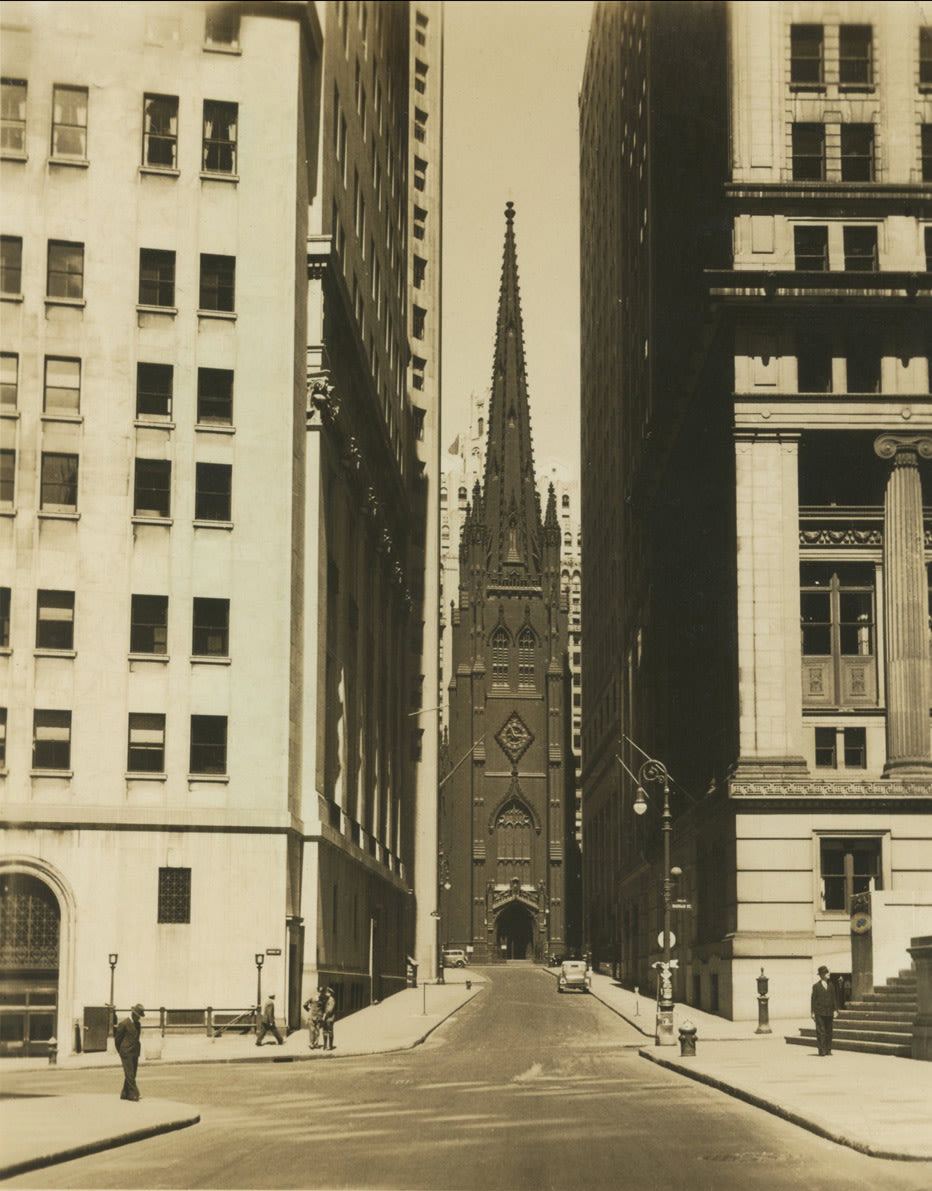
(511,507)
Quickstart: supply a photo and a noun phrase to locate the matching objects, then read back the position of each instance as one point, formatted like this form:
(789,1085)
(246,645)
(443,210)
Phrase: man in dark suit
(267,1022)
(824,1006)
(126,1040)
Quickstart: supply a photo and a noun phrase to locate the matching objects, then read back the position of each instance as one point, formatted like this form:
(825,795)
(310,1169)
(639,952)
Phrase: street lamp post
(112,960)
(655,772)
(260,960)
(443,886)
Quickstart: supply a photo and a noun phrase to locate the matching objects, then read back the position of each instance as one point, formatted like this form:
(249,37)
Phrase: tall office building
(756,214)
(507,803)
(214,517)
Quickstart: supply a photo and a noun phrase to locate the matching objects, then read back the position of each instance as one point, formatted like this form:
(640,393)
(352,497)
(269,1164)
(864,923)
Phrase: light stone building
(756,186)
(214,513)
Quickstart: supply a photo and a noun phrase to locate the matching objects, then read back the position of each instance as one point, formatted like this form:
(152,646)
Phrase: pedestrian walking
(313,1006)
(328,1017)
(824,1006)
(267,1024)
(126,1040)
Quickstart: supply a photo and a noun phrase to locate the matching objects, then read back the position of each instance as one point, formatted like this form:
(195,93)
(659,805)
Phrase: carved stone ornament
(514,737)
(888,446)
(322,398)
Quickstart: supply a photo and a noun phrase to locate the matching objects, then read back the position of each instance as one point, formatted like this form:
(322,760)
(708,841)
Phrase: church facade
(506,805)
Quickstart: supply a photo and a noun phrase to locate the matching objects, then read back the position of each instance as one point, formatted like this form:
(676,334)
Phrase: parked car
(454,957)
(574,976)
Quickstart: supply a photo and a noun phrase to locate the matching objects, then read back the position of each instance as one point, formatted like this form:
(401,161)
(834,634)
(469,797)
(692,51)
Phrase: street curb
(785,1113)
(95,1147)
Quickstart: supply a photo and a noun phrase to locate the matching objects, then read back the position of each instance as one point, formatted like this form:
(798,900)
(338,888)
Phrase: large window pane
(65,270)
(69,122)
(59,483)
(160,131)
(62,385)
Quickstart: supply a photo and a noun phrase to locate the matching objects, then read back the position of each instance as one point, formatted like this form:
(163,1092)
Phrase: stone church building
(506,804)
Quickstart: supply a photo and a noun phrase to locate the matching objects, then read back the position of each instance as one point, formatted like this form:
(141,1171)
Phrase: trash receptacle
(411,973)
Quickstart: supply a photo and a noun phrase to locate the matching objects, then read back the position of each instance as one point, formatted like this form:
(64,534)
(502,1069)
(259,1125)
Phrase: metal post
(112,960)
(371,960)
(665,1005)
(763,1005)
(260,960)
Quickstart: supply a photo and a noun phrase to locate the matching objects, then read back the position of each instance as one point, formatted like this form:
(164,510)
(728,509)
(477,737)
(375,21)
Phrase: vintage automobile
(454,957)
(574,976)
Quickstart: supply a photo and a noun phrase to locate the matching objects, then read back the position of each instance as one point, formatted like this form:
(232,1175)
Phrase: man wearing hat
(267,1024)
(126,1040)
(824,1006)
(328,1017)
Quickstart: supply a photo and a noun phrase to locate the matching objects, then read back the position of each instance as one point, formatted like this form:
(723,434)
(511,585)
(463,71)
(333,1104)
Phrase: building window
(62,386)
(419,317)
(9,379)
(857,152)
(825,748)
(69,122)
(926,152)
(215,396)
(219,147)
(211,628)
(806,55)
(221,28)
(813,366)
(11,264)
(58,488)
(420,271)
(174,895)
(13,116)
(501,645)
(208,744)
(156,277)
(811,248)
(5,593)
(148,629)
(154,386)
(145,751)
(2,738)
(55,620)
(847,867)
(925,56)
(860,249)
(527,648)
(152,488)
(863,366)
(160,131)
(218,282)
(65,277)
(854,55)
(213,487)
(838,628)
(7,478)
(928,242)
(809,152)
(51,739)
(855,746)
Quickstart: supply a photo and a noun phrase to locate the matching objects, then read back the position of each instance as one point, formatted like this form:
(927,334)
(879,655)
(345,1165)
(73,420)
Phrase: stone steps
(877,1023)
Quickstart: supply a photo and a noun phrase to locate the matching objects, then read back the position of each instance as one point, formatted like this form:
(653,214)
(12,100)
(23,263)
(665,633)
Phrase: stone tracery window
(501,644)
(527,646)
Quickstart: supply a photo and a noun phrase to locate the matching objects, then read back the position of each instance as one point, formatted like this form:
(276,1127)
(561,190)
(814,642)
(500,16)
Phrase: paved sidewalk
(878,1104)
(39,1130)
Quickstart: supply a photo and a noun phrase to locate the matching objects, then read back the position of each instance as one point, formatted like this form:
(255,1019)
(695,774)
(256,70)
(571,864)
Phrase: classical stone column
(905,607)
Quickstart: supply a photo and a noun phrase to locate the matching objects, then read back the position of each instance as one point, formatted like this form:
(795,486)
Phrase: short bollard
(53,1051)
(468,985)
(687,1039)
(763,1004)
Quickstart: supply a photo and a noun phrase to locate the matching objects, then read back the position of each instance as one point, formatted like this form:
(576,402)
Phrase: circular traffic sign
(672,939)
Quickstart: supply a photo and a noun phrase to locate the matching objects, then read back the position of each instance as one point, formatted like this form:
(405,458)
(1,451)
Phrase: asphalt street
(523,1088)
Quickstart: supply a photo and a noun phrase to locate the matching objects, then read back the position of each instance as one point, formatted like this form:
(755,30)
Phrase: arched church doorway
(514,932)
(30,931)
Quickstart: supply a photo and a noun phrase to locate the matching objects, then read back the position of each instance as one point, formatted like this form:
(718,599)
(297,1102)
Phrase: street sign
(672,939)
(680,905)
(273,951)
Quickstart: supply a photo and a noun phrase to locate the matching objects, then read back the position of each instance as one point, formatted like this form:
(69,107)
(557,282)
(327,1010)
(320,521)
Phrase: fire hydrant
(53,1051)
(687,1039)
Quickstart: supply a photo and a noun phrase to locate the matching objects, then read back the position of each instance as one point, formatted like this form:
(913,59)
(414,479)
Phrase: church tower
(505,805)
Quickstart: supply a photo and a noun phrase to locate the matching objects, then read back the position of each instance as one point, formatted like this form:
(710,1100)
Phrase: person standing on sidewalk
(267,1024)
(824,1006)
(328,1018)
(313,1006)
(126,1040)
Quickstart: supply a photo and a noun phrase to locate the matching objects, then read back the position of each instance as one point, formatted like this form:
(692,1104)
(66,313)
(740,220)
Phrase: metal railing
(211,1022)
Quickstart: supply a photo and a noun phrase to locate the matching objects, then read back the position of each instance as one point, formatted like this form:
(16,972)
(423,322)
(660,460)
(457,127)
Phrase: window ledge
(201,524)
(11,297)
(819,87)
(55,653)
(9,413)
(133,775)
(201,659)
(217,176)
(153,424)
(142,308)
(222,779)
(8,512)
(864,88)
(149,657)
(164,171)
(74,303)
(138,519)
(51,515)
(73,418)
(80,163)
(68,774)
(13,155)
(210,428)
(211,47)
(223,315)
(6,651)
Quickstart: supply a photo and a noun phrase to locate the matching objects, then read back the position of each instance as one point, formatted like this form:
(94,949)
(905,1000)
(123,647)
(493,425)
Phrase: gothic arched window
(501,644)
(527,649)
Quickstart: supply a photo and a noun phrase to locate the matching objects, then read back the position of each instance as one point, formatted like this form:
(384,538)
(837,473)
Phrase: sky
(512,72)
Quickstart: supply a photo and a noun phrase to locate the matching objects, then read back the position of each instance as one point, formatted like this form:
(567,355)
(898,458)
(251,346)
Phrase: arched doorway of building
(30,933)
(514,932)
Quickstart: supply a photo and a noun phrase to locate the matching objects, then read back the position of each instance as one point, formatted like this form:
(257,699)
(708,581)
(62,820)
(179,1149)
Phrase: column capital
(889,446)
